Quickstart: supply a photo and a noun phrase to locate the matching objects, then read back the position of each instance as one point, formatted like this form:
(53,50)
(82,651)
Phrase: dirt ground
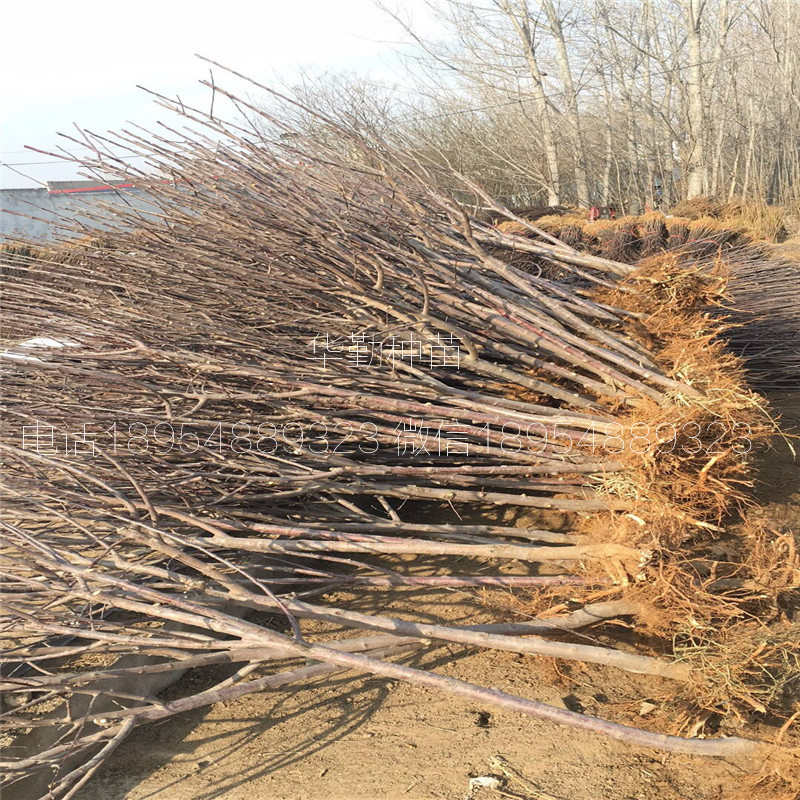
(371,739)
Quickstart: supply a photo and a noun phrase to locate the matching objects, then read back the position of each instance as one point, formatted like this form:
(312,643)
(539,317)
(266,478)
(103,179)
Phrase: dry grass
(555,222)
(513,227)
(698,207)
(764,222)
(756,219)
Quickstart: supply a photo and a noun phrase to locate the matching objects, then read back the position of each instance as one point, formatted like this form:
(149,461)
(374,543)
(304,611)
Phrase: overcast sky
(78,61)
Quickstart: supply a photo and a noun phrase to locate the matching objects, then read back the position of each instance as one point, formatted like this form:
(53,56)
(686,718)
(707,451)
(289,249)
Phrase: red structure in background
(601,212)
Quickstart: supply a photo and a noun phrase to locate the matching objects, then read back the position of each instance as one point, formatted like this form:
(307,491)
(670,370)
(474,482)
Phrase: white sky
(78,61)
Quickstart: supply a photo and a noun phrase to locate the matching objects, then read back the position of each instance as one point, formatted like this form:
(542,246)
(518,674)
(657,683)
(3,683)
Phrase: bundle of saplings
(307,368)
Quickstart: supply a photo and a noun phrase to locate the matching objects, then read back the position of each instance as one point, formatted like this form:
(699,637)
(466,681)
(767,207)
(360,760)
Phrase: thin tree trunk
(609,157)
(696,175)
(570,103)
(522,26)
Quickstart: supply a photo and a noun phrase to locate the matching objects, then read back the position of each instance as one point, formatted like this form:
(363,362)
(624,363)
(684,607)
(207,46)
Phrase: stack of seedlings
(306,369)
(758,298)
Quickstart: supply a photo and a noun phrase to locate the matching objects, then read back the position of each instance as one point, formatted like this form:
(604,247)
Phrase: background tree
(631,103)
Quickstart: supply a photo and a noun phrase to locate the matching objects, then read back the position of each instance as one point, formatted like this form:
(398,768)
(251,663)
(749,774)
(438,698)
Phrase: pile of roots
(308,368)
(758,299)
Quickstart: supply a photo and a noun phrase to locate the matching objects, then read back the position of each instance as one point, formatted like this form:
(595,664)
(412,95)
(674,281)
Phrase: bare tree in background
(631,103)
(556,29)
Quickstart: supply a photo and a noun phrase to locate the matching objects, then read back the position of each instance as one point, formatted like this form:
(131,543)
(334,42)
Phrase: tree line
(631,104)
